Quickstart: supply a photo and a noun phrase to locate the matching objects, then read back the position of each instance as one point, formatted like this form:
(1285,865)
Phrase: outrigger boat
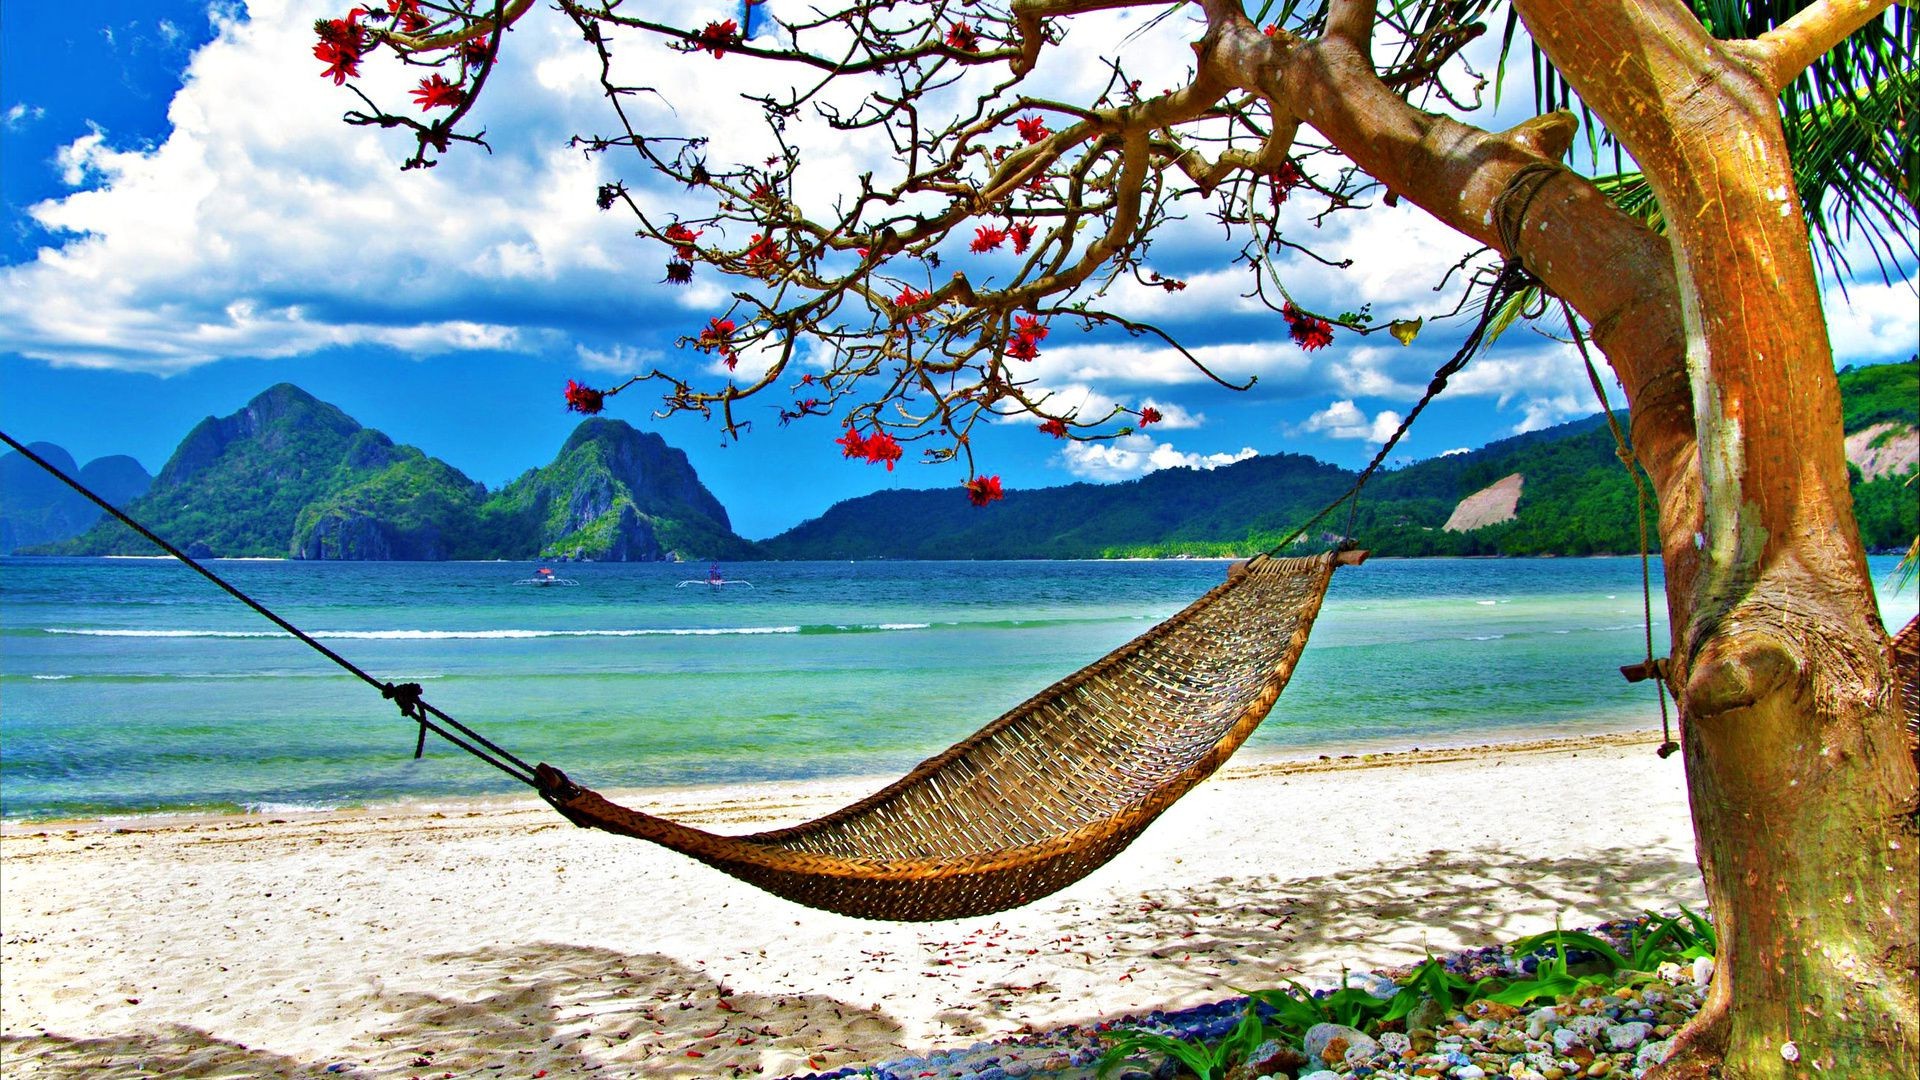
(713,578)
(544,577)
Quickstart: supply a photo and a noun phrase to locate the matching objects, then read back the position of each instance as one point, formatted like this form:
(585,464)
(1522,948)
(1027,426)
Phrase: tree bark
(1803,794)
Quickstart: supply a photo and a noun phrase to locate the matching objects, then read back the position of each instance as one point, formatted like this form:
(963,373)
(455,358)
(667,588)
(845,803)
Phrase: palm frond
(1851,120)
(1857,167)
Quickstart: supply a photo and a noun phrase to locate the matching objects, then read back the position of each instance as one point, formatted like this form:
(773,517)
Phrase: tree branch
(1782,53)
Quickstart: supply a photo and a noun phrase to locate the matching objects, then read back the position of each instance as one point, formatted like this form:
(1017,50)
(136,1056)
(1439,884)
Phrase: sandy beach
(494,939)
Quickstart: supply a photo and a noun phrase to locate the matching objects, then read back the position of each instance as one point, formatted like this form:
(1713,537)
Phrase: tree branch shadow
(1258,931)
(511,1012)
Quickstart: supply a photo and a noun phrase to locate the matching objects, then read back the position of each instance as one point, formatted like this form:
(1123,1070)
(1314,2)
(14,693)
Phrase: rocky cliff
(36,508)
(616,494)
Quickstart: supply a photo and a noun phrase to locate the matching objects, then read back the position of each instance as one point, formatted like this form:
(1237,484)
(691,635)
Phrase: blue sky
(187,222)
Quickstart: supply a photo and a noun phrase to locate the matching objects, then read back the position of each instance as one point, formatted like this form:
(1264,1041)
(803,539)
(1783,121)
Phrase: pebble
(1613,1034)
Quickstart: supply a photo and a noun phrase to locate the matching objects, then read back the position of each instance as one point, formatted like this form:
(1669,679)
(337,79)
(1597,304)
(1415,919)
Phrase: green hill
(613,493)
(290,475)
(1575,500)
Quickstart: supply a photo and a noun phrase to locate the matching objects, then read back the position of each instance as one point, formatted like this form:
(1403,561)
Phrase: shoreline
(502,938)
(1263,761)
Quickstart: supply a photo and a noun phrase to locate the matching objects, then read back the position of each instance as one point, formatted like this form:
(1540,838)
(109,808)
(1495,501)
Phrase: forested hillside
(1576,499)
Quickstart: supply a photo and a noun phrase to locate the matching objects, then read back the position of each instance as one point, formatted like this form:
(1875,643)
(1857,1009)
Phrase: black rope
(1512,280)
(404,695)
(1631,462)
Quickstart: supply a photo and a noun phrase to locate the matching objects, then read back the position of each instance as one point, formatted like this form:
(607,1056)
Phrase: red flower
(763,192)
(1022,234)
(762,253)
(582,398)
(682,239)
(438,93)
(1023,347)
(982,490)
(1272,29)
(1285,178)
(407,14)
(1030,326)
(717,37)
(908,298)
(1032,128)
(679,272)
(1308,332)
(1054,428)
(342,44)
(986,238)
(877,448)
(715,338)
(962,37)
(1150,415)
(473,51)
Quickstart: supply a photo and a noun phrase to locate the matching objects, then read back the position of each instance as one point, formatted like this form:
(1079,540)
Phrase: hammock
(1047,793)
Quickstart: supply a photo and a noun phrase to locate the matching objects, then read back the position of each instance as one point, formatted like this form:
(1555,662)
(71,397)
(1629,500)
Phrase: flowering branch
(923,296)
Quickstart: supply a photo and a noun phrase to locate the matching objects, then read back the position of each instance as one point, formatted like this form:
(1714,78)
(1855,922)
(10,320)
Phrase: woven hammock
(1044,795)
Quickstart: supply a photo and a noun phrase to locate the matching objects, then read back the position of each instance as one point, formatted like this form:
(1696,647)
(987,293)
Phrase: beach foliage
(1208,1062)
(1568,964)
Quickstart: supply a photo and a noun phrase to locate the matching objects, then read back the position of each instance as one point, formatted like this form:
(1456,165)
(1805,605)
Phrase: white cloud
(1456,451)
(1345,420)
(1174,417)
(1126,364)
(1874,321)
(1136,455)
(617,359)
(19,115)
(266,232)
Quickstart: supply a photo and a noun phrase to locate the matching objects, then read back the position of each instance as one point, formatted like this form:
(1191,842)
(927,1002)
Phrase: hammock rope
(1029,804)
(405,695)
(1630,461)
(1512,280)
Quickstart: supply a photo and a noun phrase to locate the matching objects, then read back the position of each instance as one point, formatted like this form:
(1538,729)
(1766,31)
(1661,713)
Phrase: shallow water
(134,686)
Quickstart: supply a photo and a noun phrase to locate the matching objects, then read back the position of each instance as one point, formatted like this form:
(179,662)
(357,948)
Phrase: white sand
(498,940)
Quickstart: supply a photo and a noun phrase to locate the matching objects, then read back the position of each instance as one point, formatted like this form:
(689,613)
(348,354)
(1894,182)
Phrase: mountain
(291,475)
(1558,491)
(35,508)
(613,493)
(1186,509)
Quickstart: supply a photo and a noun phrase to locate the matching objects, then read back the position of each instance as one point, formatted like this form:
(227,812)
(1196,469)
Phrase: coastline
(490,935)
(709,799)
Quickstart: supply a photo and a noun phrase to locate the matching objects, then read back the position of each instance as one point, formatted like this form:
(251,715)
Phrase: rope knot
(407,697)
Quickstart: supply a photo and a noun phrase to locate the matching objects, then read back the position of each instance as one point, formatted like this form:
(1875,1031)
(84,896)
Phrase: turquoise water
(133,686)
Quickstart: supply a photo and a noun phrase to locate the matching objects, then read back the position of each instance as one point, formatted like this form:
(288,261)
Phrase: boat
(714,579)
(544,577)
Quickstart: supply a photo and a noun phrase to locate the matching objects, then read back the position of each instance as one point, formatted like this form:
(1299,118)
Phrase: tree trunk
(1803,794)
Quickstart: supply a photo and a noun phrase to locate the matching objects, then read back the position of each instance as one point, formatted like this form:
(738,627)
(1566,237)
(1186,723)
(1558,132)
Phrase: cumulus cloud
(1874,321)
(267,232)
(1345,420)
(1136,455)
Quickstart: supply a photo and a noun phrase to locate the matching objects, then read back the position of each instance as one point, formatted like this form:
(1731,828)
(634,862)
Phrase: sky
(187,221)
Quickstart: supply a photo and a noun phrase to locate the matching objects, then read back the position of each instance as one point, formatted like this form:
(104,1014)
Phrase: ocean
(133,686)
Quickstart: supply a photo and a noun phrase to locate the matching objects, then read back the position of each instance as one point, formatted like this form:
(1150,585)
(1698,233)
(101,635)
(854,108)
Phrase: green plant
(1207,1063)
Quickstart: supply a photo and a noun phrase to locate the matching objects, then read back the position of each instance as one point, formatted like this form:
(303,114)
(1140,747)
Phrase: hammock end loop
(407,697)
(553,783)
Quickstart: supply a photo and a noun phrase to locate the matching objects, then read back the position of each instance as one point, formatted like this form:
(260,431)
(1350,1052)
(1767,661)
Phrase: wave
(288,807)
